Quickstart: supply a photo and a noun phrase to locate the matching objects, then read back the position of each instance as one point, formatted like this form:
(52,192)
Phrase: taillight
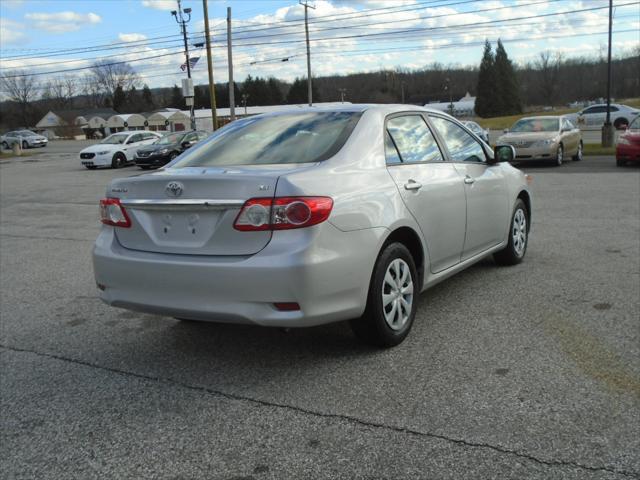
(282,213)
(112,213)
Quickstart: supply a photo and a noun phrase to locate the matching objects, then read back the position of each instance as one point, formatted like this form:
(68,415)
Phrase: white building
(465,107)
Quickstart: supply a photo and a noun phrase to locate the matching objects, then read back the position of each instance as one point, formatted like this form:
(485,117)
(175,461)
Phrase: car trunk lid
(192,210)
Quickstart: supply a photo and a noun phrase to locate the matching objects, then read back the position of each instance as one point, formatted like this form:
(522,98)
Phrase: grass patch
(596,149)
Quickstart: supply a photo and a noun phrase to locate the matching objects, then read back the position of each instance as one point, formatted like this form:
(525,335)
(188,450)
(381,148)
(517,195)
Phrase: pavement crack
(334,416)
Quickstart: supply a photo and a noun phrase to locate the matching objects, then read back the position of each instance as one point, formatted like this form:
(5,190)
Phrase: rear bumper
(324,270)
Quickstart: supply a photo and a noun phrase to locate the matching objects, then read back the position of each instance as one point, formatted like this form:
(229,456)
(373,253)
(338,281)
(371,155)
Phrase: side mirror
(504,153)
(506,130)
(186,144)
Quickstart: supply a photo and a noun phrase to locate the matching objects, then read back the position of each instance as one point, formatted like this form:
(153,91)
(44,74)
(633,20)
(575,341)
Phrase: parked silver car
(478,130)
(24,138)
(312,216)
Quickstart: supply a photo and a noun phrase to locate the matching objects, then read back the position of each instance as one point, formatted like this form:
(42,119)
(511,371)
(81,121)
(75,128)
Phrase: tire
(5,145)
(620,163)
(381,325)
(559,155)
(118,161)
(25,145)
(516,249)
(578,156)
(620,122)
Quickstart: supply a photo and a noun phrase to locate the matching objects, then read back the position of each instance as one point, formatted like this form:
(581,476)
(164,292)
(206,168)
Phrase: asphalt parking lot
(531,371)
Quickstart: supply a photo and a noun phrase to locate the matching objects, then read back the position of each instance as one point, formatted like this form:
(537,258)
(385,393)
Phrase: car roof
(357,108)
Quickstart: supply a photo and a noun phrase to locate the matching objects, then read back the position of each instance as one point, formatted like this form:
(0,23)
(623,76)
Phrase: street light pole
(178,15)
(306,5)
(607,128)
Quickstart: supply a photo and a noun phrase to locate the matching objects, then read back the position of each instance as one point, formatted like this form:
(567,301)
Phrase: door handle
(412,185)
(469,180)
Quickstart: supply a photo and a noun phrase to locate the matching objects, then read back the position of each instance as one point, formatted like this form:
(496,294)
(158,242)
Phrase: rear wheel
(578,156)
(620,163)
(118,161)
(514,252)
(391,305)
(559,155)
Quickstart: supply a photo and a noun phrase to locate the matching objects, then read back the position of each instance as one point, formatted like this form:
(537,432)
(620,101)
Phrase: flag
(192,63)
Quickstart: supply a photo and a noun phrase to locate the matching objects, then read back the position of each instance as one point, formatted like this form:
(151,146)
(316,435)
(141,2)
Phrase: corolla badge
(174,189)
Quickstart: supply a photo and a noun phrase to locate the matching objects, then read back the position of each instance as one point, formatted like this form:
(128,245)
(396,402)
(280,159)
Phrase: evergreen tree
(508,102)
(201,96)
(133,101)
(147,98)
(119,98)
(274,93)
(486,89)
(177,101)
(298,93)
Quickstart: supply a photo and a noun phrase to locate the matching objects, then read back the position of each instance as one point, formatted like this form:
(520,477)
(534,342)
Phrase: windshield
(27,133)
(170,139)
(115,139)
(635,124)
(536,125)
(288,138)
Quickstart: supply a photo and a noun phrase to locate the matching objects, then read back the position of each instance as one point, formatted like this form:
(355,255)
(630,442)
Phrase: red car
(628,146)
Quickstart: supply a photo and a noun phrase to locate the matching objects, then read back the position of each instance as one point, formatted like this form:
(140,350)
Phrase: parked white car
(25,138)
(478,130)
(117,150)
(594,116)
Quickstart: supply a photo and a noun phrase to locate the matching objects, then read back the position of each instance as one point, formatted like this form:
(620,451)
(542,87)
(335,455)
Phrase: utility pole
(306,5)
(402,90)
(232,85)
(607,128)
(183,26)
(212,85)
(342,91)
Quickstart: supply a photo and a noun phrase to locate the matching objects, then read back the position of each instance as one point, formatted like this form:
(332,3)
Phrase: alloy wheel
(519,232)
(560,154)
(397,294)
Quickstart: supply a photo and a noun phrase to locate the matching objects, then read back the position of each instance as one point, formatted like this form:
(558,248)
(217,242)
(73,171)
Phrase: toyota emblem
(174,189)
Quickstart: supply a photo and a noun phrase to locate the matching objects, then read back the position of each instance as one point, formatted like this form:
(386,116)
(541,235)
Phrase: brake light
(282,213)
(113,213)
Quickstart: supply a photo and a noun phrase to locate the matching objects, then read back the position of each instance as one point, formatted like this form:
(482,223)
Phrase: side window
(462,146)
(150,136)
(566,124)
(612,109)
(202,135)
(192,137)
(413,139)
(138,137)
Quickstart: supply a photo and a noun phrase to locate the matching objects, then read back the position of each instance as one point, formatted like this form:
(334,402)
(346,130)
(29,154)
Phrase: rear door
(487,206)
(431,188)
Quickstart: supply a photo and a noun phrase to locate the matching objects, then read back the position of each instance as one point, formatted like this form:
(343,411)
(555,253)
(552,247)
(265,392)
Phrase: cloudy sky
(45,36)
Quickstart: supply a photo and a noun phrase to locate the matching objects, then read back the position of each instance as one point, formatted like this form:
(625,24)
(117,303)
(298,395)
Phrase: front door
(488,210)
(431,188)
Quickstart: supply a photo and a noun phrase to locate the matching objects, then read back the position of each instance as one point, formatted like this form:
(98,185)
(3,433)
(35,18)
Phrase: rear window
(288,138)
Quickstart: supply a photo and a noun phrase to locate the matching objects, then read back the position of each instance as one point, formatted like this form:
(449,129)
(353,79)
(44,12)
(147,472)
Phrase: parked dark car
(167,148)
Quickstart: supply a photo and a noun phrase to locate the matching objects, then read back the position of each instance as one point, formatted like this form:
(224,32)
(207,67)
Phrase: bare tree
(21,88)
(548,65)
(106,77)
(60,91)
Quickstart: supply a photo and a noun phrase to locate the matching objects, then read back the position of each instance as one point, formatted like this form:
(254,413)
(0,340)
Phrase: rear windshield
(288,138)
(536,125)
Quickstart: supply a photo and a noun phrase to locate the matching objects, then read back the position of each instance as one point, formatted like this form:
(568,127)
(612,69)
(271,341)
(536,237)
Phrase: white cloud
(11,32)
(131,37)
(160,4)
(62,22)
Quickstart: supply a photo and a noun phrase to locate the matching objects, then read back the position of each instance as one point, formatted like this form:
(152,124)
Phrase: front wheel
(118,161)
(559,155)
(620,163)
(578,156)
(514,252)
(25,145)
(391,305)
(5,145)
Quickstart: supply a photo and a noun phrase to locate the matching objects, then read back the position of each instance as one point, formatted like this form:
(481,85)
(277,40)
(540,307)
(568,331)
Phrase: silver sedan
(312,216)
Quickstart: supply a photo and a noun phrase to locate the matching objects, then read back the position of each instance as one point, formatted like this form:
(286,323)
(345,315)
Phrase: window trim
(473,136)
(434,134)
